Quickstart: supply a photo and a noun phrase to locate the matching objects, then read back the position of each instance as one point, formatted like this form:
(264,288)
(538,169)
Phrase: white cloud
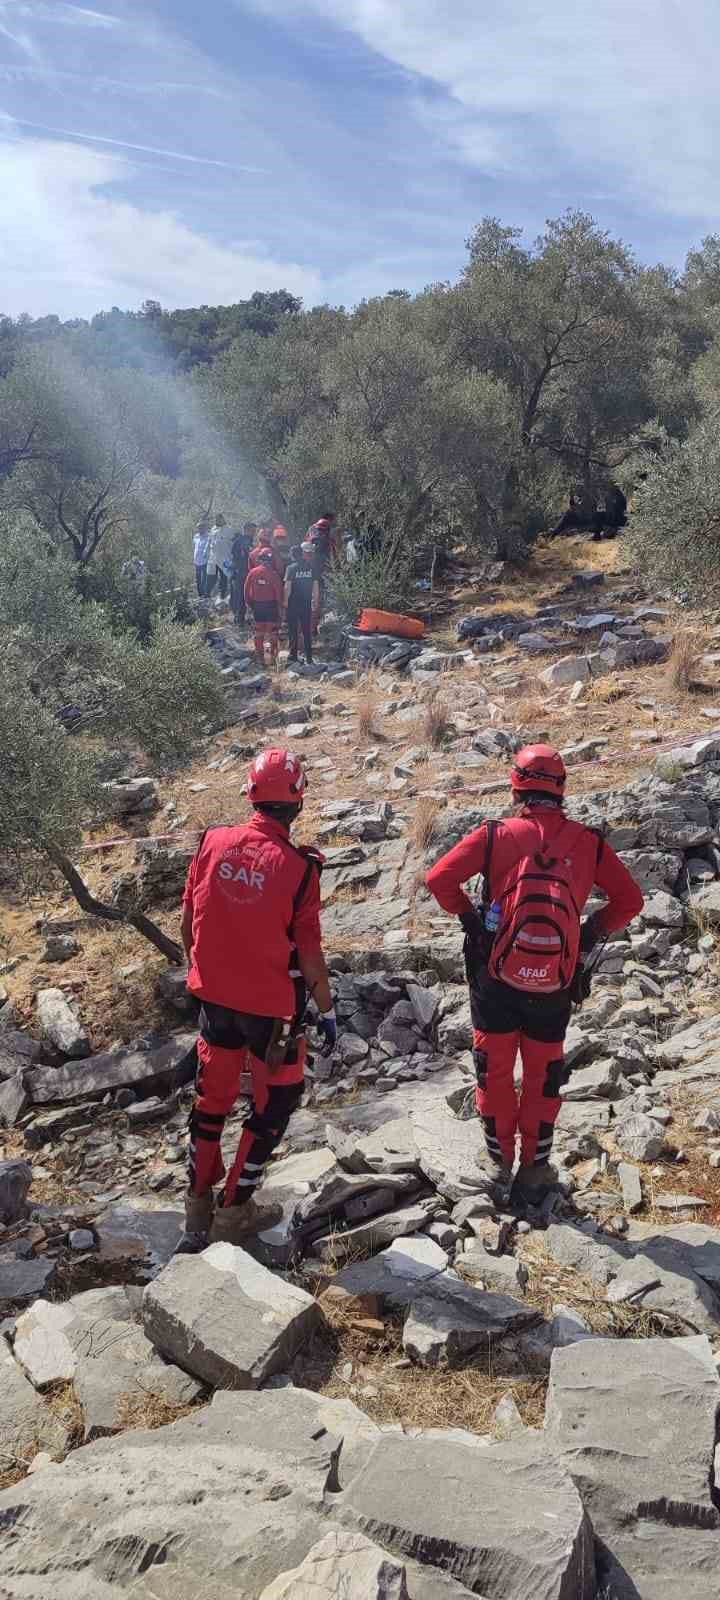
(626,88)
(67,245)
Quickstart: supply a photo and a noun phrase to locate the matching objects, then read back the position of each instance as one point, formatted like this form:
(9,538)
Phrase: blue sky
(194,150)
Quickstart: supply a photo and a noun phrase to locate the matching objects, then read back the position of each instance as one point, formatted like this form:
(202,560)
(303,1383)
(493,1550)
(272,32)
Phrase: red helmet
(538,767)
(276,777)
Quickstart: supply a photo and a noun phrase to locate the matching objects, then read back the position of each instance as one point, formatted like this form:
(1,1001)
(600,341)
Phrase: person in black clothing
(241,547)
(301,594)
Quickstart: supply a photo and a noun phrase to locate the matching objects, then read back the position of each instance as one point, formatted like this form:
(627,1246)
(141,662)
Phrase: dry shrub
(423,822)
(435,720)
(688,645)
(604,691)
(367,707)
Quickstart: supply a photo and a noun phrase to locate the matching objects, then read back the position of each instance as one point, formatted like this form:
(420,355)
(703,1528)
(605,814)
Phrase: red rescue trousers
(535,1112)
(270,632)
(506,1021)
(275,1095)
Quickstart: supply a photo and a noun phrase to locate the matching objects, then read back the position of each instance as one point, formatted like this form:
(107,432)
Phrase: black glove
(473,924)
(326,1027)
(590,933)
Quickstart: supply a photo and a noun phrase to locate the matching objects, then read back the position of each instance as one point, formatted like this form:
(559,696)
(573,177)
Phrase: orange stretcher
(372,621)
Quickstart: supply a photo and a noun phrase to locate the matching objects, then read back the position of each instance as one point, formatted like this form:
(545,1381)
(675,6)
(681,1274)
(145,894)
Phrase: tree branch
(97,908)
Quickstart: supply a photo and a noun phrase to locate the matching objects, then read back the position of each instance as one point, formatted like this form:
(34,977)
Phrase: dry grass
(140,1408)
(605,691)
(550,1283)
(422,825)
(390,1389)
(689,643)
(435,722)
(367,706)
(63,1402)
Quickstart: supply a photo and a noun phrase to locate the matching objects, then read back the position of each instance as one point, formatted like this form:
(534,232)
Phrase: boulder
(234,1491)
(128,796)
(141,1070)
(634,1425)
(116,1365)
(630,1183)
(138,1232)
(377,1232)
(225,1318)
(663,910)
(504,1521)
(597,1082)
(42,1346)
(706,901)
(15,1181)
(26,1423)
(24,1279)
(346,1564)
(397,1275)
(506,1274)
(566,671)
(59,1023)
(452,1323)
(637,1135)
(14,1100)
(450,1152)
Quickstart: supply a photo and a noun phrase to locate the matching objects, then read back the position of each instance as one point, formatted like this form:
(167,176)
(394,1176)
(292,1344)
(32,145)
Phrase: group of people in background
(265,575)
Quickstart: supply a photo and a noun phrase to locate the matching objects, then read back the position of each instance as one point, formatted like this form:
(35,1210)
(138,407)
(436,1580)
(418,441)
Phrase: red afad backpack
(537,944)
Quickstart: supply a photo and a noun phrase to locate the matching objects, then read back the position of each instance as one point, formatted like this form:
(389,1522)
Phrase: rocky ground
(408,1389)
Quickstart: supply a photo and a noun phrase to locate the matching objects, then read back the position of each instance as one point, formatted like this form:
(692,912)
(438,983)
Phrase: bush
(674,534)
(48,783)
(383,581)
(167,688)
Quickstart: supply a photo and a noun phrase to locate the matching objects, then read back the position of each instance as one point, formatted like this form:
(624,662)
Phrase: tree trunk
(97,908)
(276,501)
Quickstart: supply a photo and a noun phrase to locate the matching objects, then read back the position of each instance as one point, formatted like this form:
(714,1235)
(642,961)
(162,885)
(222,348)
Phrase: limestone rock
(634,1425)
(637,1135)
(42,1346)
(26,1424)
(450,1152)
(59,1023)
(14,1099)
(144,1071)
(631,1186)
(344,1564)
(24,1279)
(225,1318)
(453,1322)
(504,1521)
(137,1232)
(15,1181)
(565,672)
(117,1364)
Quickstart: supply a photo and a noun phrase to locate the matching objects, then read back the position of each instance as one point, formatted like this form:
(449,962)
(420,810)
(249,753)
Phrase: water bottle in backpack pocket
(537,943)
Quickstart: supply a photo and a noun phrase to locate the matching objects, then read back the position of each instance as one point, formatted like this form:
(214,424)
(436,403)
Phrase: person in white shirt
(220,555)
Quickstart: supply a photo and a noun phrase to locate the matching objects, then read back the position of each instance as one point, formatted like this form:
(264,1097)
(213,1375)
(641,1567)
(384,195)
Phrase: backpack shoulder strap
(491,831)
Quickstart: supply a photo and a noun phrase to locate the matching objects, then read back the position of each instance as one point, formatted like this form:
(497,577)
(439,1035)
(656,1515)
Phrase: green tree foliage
(674,533)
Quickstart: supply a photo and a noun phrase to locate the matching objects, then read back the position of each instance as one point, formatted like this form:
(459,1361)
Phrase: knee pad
(557,1074)
(481,1067)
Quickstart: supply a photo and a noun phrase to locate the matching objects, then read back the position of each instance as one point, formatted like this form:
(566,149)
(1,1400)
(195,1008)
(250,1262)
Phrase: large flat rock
(26,1423)
(450,1152)
(141,1070)
(229,1497)
(505,1521)
(227,1319)
(634,1424)
(452,1323)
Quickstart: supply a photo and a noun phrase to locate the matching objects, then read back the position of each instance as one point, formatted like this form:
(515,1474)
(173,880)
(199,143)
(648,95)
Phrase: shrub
(383,581)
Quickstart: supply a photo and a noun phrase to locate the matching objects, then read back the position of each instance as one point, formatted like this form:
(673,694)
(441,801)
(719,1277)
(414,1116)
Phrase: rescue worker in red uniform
(525,952)
(264,595)
(251,912)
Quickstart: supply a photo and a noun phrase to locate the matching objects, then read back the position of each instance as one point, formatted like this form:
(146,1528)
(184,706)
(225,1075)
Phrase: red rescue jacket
(242,888)
(594,865)
(265,585)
